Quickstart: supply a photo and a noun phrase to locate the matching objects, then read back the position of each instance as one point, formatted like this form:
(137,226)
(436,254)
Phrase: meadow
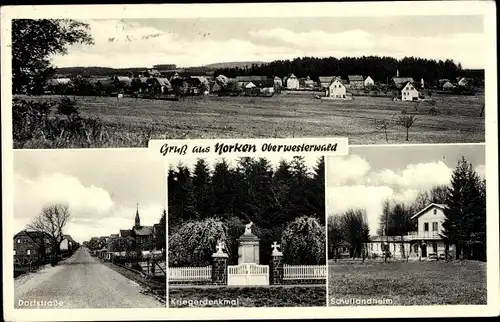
(131,122)
(412,283)
(270,296)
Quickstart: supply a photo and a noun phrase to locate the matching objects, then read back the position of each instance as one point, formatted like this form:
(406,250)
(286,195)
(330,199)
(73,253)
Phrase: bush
(194,242)
(303,242)
(55,124)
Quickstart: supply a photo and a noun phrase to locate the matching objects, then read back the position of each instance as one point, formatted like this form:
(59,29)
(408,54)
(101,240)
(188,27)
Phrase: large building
(143,234)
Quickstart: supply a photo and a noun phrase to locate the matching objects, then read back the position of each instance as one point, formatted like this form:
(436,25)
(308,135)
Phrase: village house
(426,242)
(266,87)
(336,89)
(31,247)
(292,82)
(356,81)
(278,81)
(325,81)
(123,81)
(462,81)
(368,82)
(307,82)
(159,85)
(67,244)
(409,92)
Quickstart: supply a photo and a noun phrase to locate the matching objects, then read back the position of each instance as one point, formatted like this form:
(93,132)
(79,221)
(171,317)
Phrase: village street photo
(119,83)
(246,232)
(89,229)
(406,225)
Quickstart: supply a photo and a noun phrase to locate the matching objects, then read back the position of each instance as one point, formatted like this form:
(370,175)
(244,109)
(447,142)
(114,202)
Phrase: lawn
(270,296)
(130,122)
(412,283)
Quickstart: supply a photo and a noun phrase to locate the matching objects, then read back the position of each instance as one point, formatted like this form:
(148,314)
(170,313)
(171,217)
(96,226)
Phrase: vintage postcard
(267,160)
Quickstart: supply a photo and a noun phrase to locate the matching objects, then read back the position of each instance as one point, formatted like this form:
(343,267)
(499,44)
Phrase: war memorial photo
(407,226)
(86,236)
(120,82)
(246,232)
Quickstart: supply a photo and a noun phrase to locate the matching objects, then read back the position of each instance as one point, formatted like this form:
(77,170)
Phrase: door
(424,250)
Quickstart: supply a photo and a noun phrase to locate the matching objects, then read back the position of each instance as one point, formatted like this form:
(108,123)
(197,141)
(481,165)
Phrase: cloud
(341,170)
(417,176)
(93,210)
(481,171)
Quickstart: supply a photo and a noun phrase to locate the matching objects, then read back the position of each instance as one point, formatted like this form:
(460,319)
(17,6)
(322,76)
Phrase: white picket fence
(181,274)
(294,272)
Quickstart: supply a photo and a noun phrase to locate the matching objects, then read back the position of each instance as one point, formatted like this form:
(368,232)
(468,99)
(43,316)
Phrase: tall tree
(34,41)
(465,213)
(52,220)
(334,234)
(355,230)
(203,193)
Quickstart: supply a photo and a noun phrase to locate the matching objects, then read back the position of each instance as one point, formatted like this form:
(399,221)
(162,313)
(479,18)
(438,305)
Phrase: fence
(304,272)
(179,274)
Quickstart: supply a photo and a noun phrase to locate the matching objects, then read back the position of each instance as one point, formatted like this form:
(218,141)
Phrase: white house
(278,81)
(448,85)
(409,92)
(368,81)
(426,240)
(67,243)
(292,82)
(336,89)
(462,81)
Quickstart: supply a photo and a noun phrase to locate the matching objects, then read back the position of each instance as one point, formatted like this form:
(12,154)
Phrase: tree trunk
(407,129)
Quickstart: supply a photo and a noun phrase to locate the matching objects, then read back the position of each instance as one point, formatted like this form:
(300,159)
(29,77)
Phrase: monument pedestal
(248,250)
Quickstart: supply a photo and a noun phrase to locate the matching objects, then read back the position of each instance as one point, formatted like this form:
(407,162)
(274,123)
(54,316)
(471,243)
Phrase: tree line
(216,204)
(464,225)
(380,69)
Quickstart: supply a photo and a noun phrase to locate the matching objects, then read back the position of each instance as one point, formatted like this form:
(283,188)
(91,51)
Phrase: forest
(380,69)
(285,203)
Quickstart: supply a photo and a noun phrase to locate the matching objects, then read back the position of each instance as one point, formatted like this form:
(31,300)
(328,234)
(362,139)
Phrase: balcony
(423,235)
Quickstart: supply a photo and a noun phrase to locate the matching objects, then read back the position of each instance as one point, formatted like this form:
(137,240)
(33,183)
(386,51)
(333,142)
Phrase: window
(371,246)
(434,226)
(415,248)
(14,252)
(426,226)
(19,241)
(28,252)
(435,211)
(434,247)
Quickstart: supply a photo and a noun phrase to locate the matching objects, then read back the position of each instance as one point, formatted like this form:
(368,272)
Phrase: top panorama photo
(119,83)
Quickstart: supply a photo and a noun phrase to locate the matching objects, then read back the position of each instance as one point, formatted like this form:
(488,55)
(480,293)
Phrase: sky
(369,175)
(102,188)
(189,42)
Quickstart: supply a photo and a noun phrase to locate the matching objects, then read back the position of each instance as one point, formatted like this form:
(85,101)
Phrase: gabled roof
(327,79)
(250,78)
(355,78)
(125,232)
(292,76)
(264,83)
(58,81)
(402,80)
(439,205)
(68,237)
(35,236)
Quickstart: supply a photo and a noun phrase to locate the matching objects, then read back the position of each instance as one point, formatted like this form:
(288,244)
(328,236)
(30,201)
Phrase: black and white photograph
(90,230)
(120,82)
(246,232)
(407,226)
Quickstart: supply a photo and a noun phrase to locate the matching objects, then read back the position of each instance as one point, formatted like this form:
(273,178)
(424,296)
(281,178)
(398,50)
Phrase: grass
(412,283)
(248,296)
(130,122)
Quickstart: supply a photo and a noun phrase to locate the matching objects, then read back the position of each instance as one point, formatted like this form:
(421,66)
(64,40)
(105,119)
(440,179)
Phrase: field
(130,122)
(270,296)
(412,283)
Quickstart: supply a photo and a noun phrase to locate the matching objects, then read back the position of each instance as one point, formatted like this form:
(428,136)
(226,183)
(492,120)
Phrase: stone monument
(248,249)
(219,267)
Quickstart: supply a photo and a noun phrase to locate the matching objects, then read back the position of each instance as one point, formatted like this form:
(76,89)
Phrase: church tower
(137,219)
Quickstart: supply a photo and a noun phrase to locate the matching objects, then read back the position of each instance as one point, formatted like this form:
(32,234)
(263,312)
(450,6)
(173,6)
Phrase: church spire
(137,218)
